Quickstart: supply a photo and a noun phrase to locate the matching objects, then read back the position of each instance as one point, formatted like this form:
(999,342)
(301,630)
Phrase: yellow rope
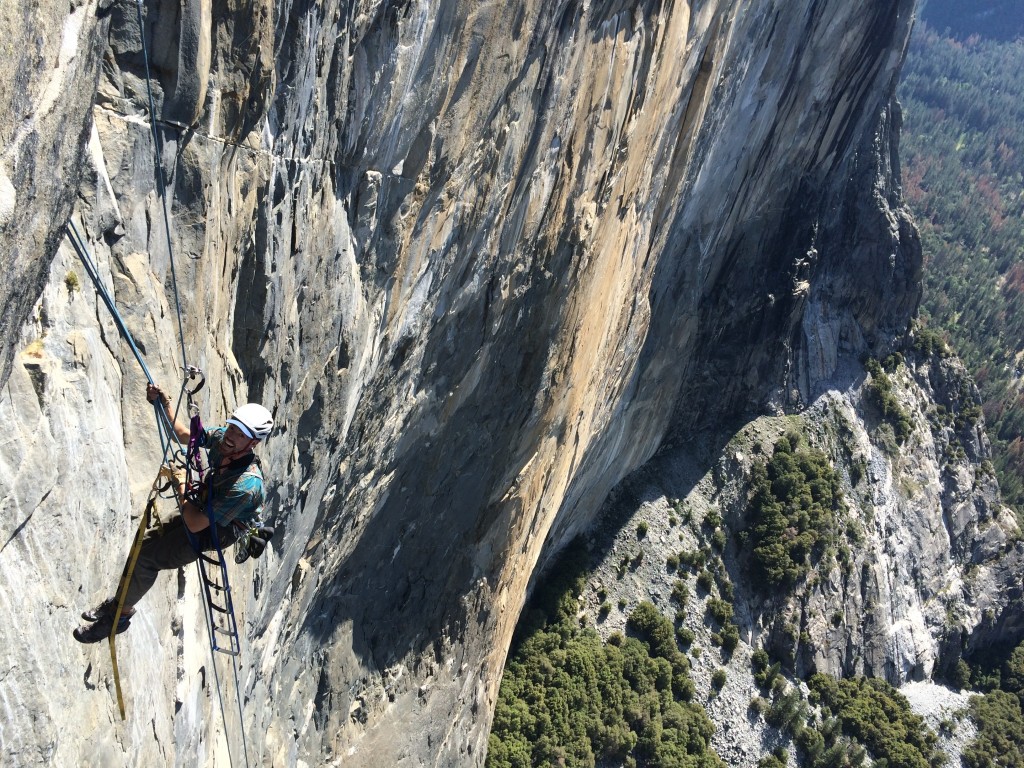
(126,577)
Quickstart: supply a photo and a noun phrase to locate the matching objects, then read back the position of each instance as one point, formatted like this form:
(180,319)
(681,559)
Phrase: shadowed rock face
(51,57)
(479,259)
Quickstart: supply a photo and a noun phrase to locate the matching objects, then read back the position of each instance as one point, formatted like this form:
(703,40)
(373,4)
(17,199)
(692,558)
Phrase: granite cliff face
(478,258)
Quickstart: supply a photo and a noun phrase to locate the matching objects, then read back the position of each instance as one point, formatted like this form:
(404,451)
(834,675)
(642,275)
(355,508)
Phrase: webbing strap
(122,590)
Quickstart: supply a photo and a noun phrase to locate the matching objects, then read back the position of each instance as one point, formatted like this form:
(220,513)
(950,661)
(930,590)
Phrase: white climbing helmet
(253,419)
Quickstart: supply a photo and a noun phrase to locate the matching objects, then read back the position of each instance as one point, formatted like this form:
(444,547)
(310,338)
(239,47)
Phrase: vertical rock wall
(478,259)
(51,57)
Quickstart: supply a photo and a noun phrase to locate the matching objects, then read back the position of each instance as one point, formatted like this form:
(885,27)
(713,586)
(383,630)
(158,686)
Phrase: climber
(233,495)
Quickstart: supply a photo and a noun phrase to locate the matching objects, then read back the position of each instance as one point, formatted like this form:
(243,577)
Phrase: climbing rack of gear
(222,626)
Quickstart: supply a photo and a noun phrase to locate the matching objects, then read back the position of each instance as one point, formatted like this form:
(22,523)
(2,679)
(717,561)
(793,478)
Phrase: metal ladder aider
(213,572)
(222,617)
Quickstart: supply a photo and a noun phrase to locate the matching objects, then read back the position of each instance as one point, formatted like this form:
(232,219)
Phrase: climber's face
(236,441)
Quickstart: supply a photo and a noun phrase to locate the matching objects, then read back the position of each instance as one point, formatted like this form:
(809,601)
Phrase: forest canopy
(963,176)
(996,19)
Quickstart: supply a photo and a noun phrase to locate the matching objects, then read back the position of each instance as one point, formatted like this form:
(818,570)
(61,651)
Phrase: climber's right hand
(154,393)
(175,475)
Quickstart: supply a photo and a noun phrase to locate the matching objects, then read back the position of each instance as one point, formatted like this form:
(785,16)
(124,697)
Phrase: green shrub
(786,710)
(928,342)
(810,742)
(795,502)
(718,679)
(778,681)
(680,593)
(879,717)
(1013,671)
(1000,740)
(858,470)
(718,540)
(819,747)
(1001,667)
(892,362)
(774,760)
(568,699)
(705,580)
(961,675)
(879,393)
(730,637)
(725,589)
(766,674)
(720,610)
(659,635)
(641,530)
(694,558)
(654,629)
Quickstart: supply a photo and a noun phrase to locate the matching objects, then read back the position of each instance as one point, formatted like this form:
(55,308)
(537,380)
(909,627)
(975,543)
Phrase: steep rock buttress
(478,259)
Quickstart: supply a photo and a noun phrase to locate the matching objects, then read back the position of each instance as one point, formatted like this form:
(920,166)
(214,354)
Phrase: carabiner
(191,372)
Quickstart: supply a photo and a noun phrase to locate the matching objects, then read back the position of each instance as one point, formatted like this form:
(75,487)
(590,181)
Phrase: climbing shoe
(104,609)
(100,629)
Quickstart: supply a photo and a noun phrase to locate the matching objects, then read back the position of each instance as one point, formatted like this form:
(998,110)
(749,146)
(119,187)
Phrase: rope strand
(161,182)
(162,190)
(164,427)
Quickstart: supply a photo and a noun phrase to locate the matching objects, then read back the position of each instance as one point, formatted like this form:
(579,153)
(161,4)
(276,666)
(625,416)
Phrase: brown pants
(167,548)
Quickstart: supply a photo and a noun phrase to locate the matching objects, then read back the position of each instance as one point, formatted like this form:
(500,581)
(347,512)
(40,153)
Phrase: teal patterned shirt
(238,493)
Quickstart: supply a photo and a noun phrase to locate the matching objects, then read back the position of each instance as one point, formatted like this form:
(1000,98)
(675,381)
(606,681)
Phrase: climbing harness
(189,459)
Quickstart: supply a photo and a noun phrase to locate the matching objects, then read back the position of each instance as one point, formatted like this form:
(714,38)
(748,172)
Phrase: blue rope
(164,427)
(101,290)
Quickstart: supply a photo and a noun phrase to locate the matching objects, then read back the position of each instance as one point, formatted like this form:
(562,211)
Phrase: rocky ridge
(479,260)
(916,595)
